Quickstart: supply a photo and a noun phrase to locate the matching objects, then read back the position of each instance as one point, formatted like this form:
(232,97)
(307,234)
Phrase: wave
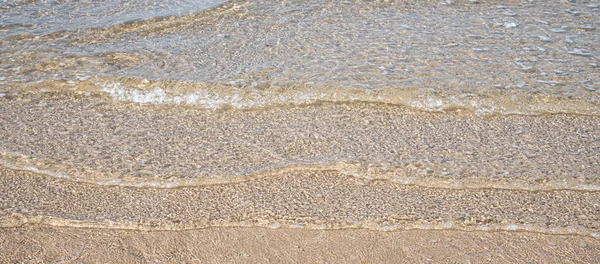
(248,96)
(320,200)
(357,170)
(508,103)
(509,166)
(15,220)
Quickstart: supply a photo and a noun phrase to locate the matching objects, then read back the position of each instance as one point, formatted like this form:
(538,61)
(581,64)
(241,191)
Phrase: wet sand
(261,245)
(314,131)
(314,200)
(95,139)
(311,207)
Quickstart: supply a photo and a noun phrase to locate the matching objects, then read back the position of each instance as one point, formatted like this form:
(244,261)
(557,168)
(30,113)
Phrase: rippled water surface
(46,16)
(520,57)
(462,100)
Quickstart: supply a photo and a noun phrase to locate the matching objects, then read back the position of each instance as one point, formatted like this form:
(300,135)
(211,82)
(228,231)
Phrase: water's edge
(16,220)
(213,96)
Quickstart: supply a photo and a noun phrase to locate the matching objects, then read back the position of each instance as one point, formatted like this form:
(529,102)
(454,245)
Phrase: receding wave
(296,199)
(364,173)
(19,220)
(214,96)
(222,96)
(180,146)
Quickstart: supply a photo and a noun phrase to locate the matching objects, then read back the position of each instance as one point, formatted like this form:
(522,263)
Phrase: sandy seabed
(303,214)
(266,131)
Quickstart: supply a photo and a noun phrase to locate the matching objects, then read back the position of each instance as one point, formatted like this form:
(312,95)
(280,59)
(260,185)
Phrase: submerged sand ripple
(94,139)
(313,200)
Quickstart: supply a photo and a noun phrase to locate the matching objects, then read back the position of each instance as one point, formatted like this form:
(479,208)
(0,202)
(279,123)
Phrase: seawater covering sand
(515,58)
(260,245)
(47,17)
(323,166)
(464,116)
(216,96)
(94,139)
(312,200)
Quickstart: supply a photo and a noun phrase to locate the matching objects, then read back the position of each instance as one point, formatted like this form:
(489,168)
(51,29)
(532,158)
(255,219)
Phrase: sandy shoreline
(309,199)
(123,139)
(98,140)
(308,131)
(35,244)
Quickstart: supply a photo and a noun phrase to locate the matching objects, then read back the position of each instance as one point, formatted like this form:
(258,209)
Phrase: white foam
(30,168)
(220,96)
(161,96)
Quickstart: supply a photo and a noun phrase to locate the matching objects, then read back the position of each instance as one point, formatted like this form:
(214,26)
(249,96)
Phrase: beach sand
(300,132)
(501,194)
(261,245)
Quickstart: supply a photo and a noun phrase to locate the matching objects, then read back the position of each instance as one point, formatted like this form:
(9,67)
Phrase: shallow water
(305,199)
(518,58)
(471,99)
(95,139)
(42,17)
